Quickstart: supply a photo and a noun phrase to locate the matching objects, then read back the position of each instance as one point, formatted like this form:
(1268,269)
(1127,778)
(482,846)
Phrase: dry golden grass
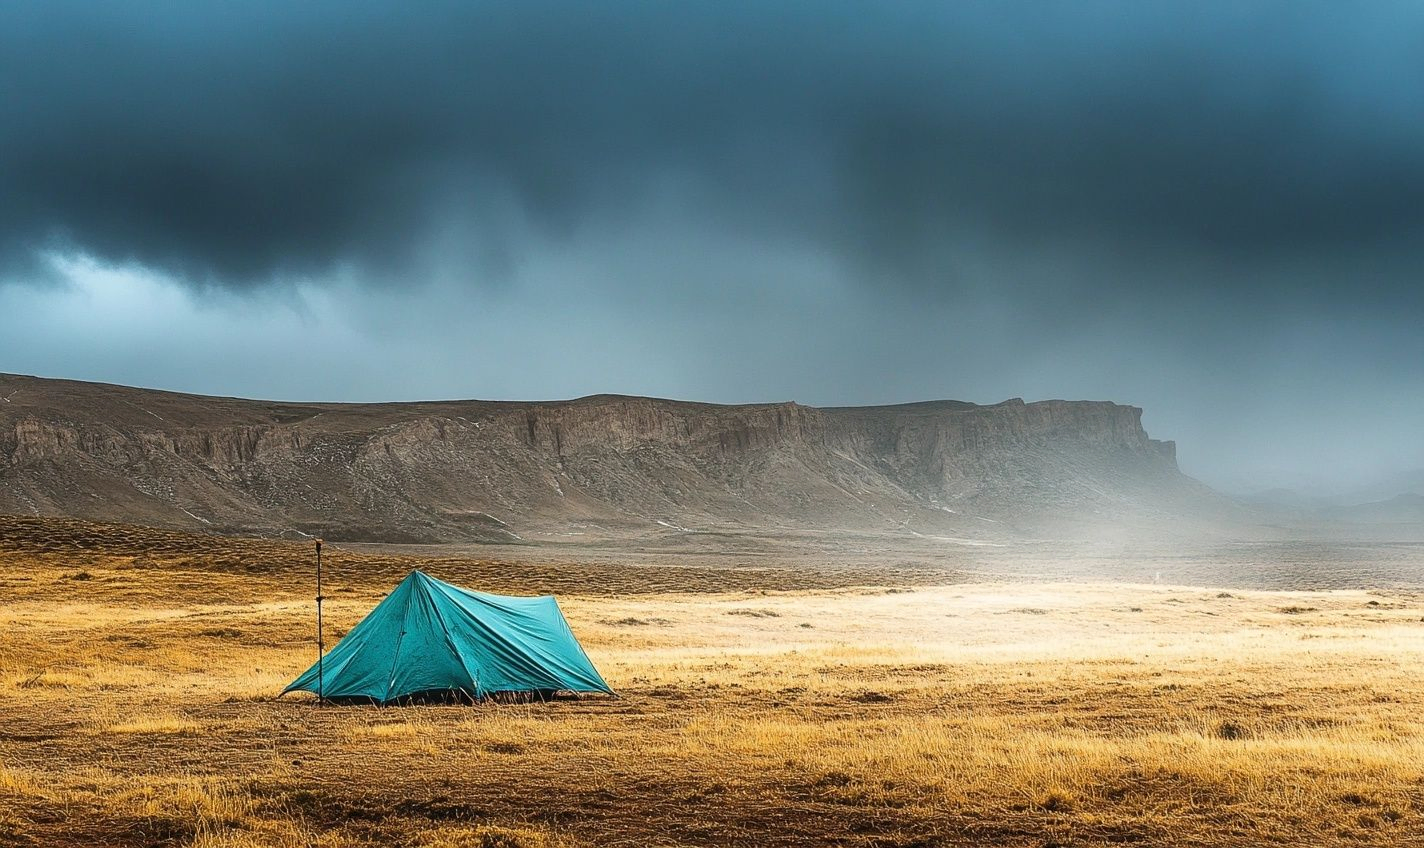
(137,708)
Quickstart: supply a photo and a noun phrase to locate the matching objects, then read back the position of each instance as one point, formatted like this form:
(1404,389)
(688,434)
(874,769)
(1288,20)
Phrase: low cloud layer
(1214,212)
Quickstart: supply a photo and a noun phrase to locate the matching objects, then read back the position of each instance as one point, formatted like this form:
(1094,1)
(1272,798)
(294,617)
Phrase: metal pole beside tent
(320,641)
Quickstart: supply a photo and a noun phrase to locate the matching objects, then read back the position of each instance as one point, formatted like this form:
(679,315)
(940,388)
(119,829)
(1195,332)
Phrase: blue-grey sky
(1211,210)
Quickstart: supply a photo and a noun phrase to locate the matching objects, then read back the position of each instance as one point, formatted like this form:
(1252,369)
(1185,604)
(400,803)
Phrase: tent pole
(320,642)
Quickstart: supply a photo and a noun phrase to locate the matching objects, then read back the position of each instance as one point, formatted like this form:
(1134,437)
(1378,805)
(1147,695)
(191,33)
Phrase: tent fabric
(430,636)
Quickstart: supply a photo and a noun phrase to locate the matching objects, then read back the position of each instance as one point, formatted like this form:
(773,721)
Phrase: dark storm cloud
(1212,210)
(238,144)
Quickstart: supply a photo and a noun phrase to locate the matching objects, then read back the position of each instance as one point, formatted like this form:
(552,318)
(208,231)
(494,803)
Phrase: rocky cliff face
(593,467)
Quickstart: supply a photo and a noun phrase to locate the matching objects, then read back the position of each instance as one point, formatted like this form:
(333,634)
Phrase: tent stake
(320,641)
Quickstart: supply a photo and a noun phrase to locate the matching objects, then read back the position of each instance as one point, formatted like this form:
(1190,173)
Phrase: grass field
(763,706)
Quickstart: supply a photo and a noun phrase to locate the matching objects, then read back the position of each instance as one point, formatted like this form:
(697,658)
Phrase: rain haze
(1212,211)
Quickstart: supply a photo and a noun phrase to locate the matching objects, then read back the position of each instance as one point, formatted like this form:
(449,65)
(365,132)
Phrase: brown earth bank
(769,705)
(595,468)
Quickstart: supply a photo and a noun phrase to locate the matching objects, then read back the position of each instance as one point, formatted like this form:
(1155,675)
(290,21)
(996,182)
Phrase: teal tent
(431,639)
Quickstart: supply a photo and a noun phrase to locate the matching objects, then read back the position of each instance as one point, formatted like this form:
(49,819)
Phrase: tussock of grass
(19,782)
(157,724)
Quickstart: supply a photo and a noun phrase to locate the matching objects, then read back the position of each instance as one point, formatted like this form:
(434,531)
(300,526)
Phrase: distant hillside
(1400,509)
(573,470)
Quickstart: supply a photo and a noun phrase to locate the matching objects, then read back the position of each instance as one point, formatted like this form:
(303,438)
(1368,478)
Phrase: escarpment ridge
(606,465)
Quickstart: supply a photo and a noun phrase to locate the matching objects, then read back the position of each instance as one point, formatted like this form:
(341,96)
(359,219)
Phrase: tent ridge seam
(395,655)
(445,627)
